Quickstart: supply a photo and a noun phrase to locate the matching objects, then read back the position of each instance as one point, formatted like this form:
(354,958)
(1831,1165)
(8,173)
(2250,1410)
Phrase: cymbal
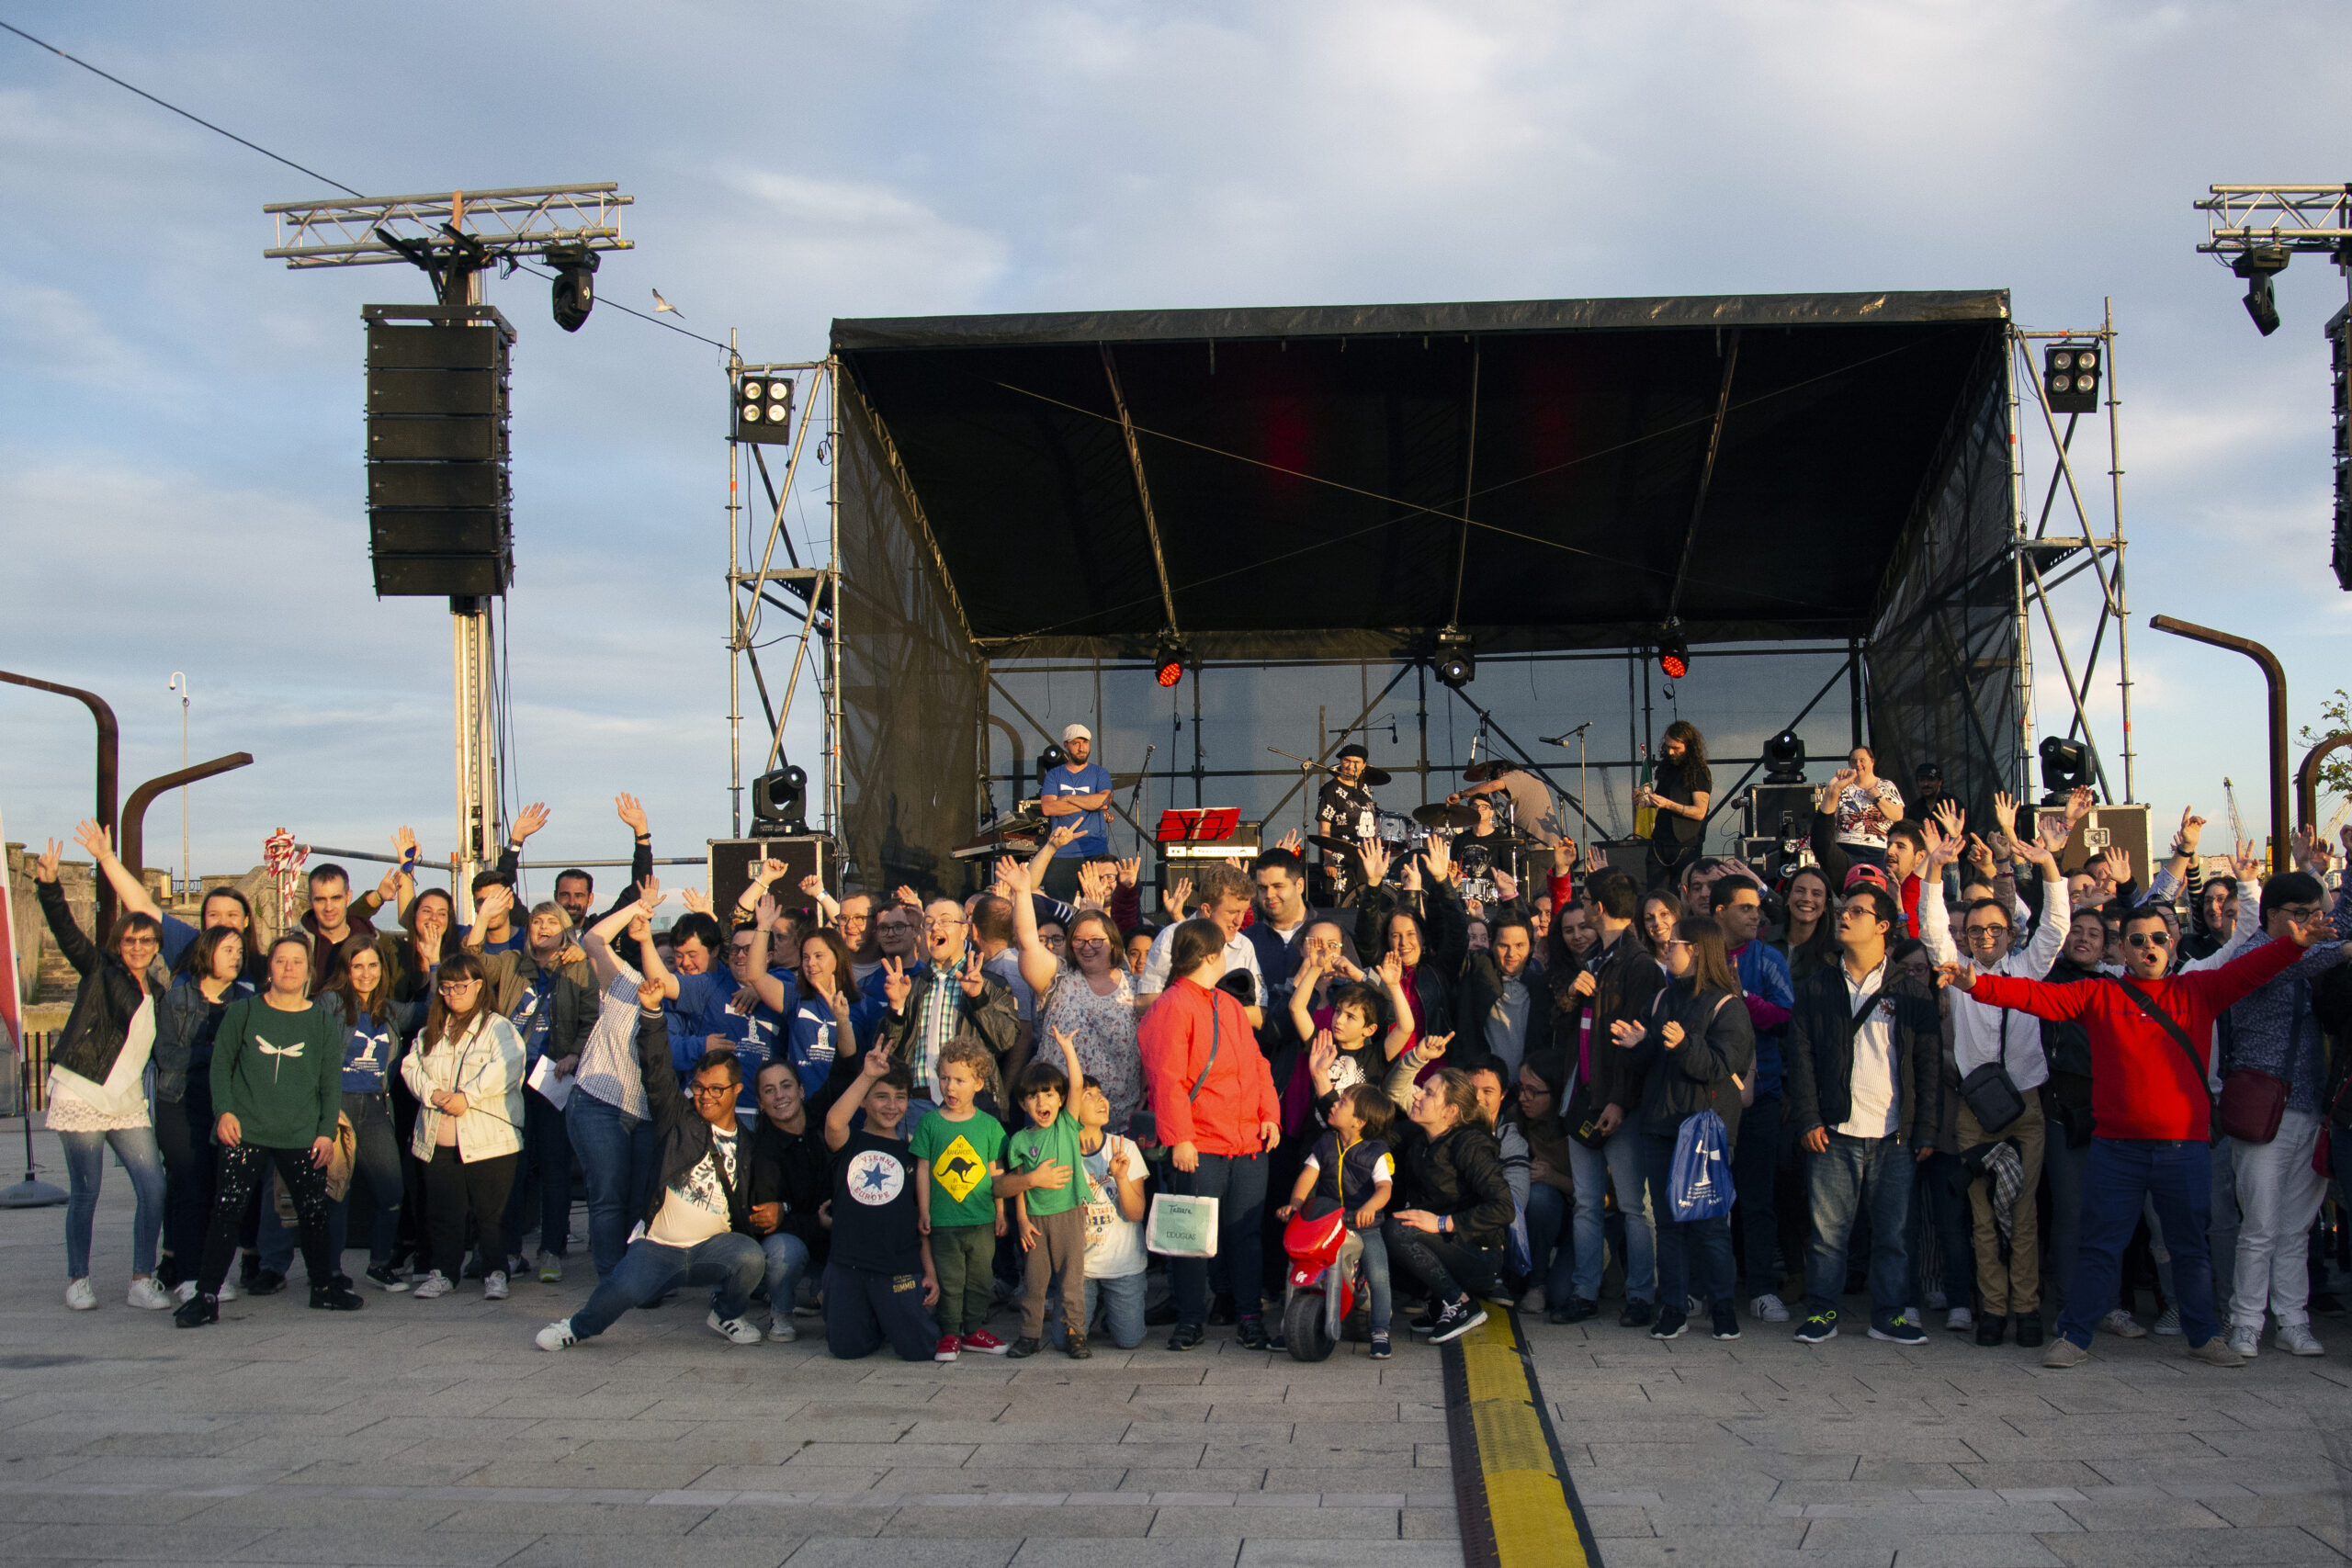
(1330,845)
(1372,778)
(1479,773)
(1439,814)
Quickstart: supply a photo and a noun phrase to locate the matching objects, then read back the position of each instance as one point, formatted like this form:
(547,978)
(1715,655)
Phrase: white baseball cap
(1078,732)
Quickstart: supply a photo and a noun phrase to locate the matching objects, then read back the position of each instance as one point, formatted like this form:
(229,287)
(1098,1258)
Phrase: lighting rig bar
(2293,218)
(499,223)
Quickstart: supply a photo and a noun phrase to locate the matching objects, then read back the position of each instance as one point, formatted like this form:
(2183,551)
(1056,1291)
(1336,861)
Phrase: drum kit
(1404,835)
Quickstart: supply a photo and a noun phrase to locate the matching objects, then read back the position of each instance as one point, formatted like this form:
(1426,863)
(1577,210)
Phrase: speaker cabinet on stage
(733,862)
(1766,803)
(2117,827)
(438,504)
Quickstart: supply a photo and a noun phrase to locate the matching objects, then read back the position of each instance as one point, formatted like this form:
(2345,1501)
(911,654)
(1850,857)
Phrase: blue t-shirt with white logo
(1093,834)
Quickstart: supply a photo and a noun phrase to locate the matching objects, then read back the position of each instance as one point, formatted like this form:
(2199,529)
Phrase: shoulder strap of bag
(2147,1004)
(1195,1092)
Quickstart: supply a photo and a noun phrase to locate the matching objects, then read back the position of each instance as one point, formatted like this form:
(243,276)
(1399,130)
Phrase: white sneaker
(433,1286)
(739,1330)
(227,1293)
(2122,1325)
(1532,1301)
(1769,1308)
(494,1285)
(2295,1338)
(1960,1320)
(80,1297)
(551,1268)
(1911,1316)
(148,1295)
(2168,1323)
(2246,1342)
(780,1328)
(1693,1307)
(185,1291)
(556,1335)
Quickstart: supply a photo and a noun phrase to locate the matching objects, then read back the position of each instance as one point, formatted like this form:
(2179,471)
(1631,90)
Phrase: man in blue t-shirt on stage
(1076,795)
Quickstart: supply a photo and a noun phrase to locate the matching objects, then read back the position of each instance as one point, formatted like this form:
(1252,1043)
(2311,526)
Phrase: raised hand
(1008,871)
(1392,969)
(812,885)
(1323,1056)
(768,913)
(2192,831)
(45,868)
(2312,849)
(1981,858)
(895,985)
(530,819)
(2248,864)
(1960,977)
(876,1062)
(93,839)
(974,981)
(1439,857)
(648,893)
(649,995)
(1293,840)
(1064,836)
(1095,880)
(1434,1046)
(1505,884)
(2005,813)
(905,897)
(2119,865)
(1595,863)
(2036,853)
(405,845)
(1375,861)
(695,901)
(1128,871)
(496,899)
(1411,879)
(2078,804)
(1177,899)
(631,812)
(1950,817)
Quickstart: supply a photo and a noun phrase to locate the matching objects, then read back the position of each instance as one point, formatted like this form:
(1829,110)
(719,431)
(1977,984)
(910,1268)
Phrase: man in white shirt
(1224,900)
(1983,1036)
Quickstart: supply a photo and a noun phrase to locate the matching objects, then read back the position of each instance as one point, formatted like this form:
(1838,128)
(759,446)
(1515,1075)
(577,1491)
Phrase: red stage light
(1674,665)
(1171,672)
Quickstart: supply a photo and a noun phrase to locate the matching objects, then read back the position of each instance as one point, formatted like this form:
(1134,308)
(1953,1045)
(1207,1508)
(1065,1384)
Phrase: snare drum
(1398,830)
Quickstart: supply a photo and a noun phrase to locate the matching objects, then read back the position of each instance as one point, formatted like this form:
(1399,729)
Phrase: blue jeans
(2118,1177)
(1693,1256)
(85,1166)
(1844,1179)
(1755,1162)
(1239,1183)
(616,1154)
(731,1264)
(375,1169)
(1375,1275)
(1551,1246)
(1617,1163)
(1123,1313)
(787,1262)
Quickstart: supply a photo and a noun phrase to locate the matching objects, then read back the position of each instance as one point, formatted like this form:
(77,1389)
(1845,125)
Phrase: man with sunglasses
(1986,1035)
(2150,1041)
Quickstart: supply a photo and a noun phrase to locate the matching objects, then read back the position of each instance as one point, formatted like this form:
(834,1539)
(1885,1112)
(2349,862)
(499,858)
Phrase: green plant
(2336,770)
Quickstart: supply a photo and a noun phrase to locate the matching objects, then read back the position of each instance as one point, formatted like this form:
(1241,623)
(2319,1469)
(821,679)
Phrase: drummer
(1533,813)
(1345,815)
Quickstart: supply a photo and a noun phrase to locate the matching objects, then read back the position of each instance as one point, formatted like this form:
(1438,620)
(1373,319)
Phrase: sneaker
(1726,1320)
(1424,1321)
(1901,1331)
(1027,1346)
(1276,1340)
(1380,1350)
(1913,1316)
(1692,1306)
(780,1329)
(1989,1328)
(2168,1323)
(2063,1352)
(80,1297)
(1187,1336)
(2246,1342)
(184,1291)
(735,1330)
(1578,1310)
(494,1285)
(2122,1325)
(1668,1324)
(1814,1330)
(196,1311)
(2295,1338)
(266,1282)
(1769,1308)
(949,1348)
(2219,1352)
(380,1275)
(2029,1331)
(1078,1350)
(514,1265)
(248,1271)
(475,1269)
(1960,1320)
(434,1286)
(227,1293)
(331,1297)
(1251,1333)
(556,1335)
(551,1268)
(985,1343)
(149,1296)
(1456,1319)
(1532,1301)
(1637,1315)
(1936,1301)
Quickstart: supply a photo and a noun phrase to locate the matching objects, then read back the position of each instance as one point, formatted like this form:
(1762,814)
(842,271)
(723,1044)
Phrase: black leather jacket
(1458,1174)
(108,999)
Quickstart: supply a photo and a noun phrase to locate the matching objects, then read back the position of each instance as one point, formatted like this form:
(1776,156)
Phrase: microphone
(1562,739)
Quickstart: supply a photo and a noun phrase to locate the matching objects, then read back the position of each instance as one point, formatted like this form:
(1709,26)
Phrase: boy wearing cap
(1075,795)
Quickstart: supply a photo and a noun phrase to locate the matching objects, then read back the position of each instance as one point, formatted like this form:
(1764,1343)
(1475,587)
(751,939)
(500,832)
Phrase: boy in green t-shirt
(959,1171)
(1044,1157)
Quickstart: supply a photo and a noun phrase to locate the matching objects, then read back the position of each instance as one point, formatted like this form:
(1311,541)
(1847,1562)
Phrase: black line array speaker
(438,504)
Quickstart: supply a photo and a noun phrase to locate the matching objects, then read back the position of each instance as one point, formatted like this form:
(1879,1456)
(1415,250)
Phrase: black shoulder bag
(2147,1004)
(1991,1095)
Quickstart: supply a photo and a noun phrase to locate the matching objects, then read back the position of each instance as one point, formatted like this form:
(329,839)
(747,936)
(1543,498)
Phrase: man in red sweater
(2153,1110)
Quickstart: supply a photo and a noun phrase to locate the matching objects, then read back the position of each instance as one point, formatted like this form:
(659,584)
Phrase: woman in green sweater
(277,1089)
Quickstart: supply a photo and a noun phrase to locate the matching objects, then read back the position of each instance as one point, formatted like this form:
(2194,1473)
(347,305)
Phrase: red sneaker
(985,1343)
(948,1346)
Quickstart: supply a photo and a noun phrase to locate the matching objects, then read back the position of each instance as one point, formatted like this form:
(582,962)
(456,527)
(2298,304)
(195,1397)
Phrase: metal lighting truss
(811,594)
(2282,220)
(521,222)
(2086,541)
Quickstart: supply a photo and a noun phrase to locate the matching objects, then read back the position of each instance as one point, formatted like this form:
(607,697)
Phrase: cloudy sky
(180,485)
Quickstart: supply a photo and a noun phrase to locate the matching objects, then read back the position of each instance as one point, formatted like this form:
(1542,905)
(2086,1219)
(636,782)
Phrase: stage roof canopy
(1757,462)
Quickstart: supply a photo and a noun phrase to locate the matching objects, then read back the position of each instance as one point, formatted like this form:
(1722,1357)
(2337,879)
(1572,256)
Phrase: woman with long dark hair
(1677,792)
(359,1001)
(1701,1043)
(1654,925)
(213,975)
(1809,939)
(466,1069)
(821,1029)
(1457,1208)
(97,1070)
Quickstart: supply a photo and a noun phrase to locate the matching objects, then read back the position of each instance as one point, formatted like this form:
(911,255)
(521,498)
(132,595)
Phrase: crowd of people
(1946,1077)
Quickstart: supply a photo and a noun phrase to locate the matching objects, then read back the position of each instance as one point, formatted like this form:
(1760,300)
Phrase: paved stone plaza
(433,1432)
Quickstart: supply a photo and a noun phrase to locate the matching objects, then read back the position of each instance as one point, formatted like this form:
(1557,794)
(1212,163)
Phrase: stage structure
(1821,494)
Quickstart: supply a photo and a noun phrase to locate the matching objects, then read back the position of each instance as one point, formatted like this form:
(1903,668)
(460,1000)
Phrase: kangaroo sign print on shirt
(958,1169)
(875,1177)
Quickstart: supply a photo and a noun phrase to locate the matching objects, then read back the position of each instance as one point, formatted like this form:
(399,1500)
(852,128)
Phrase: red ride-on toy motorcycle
(1324,1292)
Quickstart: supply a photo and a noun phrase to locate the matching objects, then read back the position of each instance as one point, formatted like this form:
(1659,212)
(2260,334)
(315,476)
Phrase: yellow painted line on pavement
(1517,1505)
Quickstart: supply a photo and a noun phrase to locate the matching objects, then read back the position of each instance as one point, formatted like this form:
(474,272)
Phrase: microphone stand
(1136,794)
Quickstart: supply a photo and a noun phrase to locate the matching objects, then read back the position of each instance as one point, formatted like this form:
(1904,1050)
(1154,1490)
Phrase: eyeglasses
(1676,941)
(1089,942)
(944,922)
(2300,911)
(1986,932)
(446,986)
(2147,938)
(712,1090)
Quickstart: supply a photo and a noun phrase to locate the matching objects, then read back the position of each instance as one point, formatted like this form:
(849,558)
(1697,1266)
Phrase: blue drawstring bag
(1698,1184)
